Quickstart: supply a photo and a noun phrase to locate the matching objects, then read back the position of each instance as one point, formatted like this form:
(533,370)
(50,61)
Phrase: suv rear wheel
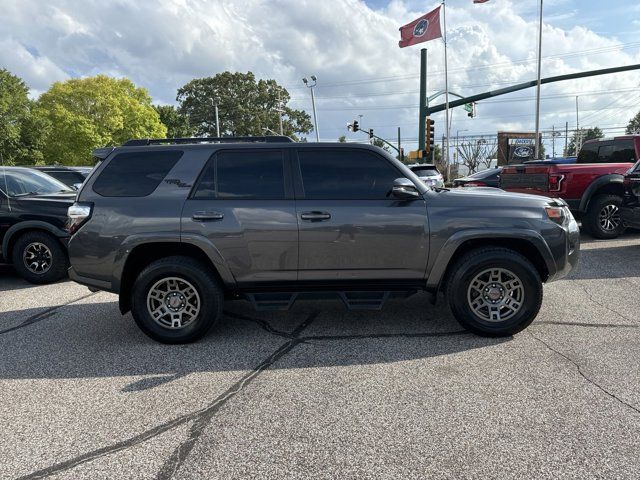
(494,292)
(39,258)
(602,219)
(176,300)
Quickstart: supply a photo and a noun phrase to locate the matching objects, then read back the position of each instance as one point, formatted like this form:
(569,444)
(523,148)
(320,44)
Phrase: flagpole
(537,148)
(446,84)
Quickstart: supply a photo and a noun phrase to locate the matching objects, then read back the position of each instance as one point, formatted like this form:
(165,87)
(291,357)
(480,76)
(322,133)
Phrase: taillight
(77,215)
(474,184)
(555,182)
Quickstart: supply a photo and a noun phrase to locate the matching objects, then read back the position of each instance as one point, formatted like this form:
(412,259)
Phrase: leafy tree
(93,112)
(379,143)
(342,139)
(246,106)
(634,125)
(177,124)
(21,130)
(585,134)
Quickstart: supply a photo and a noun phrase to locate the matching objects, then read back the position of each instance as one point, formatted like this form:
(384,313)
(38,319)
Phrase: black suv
(175,226)
(33,214)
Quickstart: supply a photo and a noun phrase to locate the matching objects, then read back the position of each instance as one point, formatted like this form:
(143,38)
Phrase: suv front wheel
(494,292)
(176,300)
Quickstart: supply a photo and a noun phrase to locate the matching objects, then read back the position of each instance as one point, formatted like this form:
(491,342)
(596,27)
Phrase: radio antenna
(6,188)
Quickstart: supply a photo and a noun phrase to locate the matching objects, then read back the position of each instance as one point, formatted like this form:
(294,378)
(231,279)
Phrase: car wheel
(602,219)
(39,257)
(176,300)
(494,292)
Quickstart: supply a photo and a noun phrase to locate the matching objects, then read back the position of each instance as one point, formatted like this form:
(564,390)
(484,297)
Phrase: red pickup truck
(593,186)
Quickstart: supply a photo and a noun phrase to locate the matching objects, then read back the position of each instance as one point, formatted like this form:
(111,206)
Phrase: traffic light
(353,126)
(370,133)
(429,135)
(472,113)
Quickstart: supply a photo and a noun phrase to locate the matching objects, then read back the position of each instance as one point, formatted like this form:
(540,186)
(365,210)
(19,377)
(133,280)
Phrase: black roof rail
(246,139)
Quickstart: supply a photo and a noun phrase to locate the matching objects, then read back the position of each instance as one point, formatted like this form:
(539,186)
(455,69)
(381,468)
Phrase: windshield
(29,182)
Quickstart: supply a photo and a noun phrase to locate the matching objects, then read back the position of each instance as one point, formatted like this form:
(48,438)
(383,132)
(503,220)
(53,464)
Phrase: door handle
(207,216)
(315,216)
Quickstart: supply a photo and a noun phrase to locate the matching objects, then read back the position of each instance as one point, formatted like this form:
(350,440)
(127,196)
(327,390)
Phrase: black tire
(592,221)
(47,247)
(210,299)
(481,260)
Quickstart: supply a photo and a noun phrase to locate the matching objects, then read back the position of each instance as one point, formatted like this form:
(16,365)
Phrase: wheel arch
(15,231)
(611,184)
(529,244)
(144,254)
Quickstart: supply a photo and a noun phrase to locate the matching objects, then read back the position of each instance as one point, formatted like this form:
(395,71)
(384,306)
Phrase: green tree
(177,124)
(94,112)
(342,139)
(246,106)
(22,131)
(379,143)
(634,125)
(585,134)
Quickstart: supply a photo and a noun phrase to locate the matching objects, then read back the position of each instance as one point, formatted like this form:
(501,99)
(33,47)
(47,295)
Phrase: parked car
(484,178)
(428,173)
(33,214)
(70,176)
(630,211)
(593,187)
(175,227)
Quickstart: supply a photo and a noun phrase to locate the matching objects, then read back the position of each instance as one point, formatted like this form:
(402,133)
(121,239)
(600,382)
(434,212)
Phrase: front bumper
(566,258)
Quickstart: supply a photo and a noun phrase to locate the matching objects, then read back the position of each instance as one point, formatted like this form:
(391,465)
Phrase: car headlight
(559,215)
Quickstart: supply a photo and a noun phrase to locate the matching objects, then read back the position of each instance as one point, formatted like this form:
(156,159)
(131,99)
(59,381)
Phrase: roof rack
(246,139)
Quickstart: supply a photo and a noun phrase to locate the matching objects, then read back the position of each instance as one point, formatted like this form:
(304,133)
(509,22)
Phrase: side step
(353,300)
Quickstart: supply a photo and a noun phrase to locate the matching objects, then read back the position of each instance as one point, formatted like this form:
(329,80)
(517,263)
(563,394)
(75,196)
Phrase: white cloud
(353,50)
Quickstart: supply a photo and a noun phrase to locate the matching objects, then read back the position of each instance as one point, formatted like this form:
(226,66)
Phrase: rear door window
(623,151)
(243,174)
(135,174)
(604,153)
(588,153)
(345,174)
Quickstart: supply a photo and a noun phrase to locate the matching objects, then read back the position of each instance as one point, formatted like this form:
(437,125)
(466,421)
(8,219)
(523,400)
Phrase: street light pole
(537,148)
(313,102)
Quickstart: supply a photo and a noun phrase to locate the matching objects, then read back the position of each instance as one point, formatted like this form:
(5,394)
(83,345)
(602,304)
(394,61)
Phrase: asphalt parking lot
(320,392)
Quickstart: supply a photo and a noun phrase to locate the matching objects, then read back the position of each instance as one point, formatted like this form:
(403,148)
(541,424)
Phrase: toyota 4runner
(176,226)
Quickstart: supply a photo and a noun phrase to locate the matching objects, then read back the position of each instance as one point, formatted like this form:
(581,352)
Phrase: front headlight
(559,215)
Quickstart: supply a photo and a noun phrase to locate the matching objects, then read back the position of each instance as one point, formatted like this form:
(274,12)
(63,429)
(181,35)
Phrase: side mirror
(405,189)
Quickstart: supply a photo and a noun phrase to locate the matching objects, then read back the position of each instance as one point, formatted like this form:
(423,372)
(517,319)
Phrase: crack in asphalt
(606,307)
(49,312)
(265,325)
(583,375)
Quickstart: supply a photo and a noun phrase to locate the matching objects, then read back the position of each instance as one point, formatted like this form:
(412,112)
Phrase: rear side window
(604,153)
(345,174)
(624,151)
(135,174)
(424,171)
(588,153)
(245,174)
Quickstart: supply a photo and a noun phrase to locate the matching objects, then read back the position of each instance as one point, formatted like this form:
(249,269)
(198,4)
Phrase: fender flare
(446,253)
(611,178)
(28,225)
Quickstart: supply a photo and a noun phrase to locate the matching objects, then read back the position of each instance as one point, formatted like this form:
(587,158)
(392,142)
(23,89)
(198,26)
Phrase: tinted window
(604,153)
(623,151)
(68,178)
(346,174)
(246,174)
(135,174)
(424,171)
(588,153)
(22,182)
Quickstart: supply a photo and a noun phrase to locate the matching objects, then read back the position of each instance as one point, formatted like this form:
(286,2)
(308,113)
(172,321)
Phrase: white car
(428,173)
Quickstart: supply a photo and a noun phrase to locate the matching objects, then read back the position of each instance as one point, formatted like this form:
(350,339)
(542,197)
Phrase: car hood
(487,196)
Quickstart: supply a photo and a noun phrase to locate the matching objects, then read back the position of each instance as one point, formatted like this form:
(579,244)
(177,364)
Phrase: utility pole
(400,147)
(566,138)
(313,102)
(553,141)
(280,109)
(215,106)
(578,139)
(537,148)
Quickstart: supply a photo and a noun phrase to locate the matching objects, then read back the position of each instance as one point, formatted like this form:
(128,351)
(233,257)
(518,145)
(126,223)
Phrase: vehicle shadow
(605,262)
(94,340)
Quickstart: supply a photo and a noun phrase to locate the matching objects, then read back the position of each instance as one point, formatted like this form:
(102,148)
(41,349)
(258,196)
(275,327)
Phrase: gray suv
(176,226)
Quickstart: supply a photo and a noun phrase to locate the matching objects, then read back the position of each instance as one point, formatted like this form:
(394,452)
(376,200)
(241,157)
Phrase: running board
(353,300)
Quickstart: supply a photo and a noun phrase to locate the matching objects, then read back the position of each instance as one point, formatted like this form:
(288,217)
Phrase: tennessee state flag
(422,29)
